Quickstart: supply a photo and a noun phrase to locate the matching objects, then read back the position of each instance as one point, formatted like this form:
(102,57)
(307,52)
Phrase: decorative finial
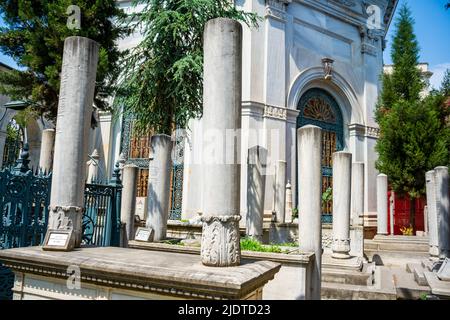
(116,175)
(23,161)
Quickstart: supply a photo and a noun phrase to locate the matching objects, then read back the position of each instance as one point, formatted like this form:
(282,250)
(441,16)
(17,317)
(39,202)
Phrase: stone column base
(341,248)
(67,218)
(221,241)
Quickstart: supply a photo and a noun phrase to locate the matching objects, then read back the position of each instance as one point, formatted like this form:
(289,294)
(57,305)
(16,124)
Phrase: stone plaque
(444,271)
(141,207)
(144,234)
(59,240)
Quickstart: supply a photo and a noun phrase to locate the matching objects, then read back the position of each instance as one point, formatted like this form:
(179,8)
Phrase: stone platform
(110,273)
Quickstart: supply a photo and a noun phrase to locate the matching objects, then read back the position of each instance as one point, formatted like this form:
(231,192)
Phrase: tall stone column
(433,224)
(256,181)
(357,211)
(288,217)
(222,90)
(159,185)
(382,204)
(357,193)
(46,157)
(128,205)
(280,191)
(342,178)
(309,151)
(443,211)
(76,97)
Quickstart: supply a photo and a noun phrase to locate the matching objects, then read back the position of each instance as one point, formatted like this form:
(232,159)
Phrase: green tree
(413,137)
(163,83)
(445,86)
(34,35)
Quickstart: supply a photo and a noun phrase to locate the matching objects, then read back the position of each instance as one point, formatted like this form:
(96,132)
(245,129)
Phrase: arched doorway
(317,107)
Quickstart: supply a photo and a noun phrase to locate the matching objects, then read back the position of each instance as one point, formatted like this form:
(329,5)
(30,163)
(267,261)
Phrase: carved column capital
(221,241)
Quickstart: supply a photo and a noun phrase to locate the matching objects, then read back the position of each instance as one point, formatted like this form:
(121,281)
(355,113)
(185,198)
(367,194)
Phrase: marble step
(339,291)
(383,288)
(347,277)
(409,283)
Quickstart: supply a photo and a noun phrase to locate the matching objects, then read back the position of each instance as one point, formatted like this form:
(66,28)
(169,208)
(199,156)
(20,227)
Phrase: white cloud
(438,74)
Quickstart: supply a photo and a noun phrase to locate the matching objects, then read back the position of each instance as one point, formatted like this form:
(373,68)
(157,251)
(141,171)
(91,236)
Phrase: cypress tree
(413,139)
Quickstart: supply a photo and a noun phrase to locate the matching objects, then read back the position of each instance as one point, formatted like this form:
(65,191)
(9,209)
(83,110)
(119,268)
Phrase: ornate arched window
(317,107)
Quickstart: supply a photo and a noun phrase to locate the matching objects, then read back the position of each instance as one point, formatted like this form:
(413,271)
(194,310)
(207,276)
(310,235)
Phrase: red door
(401,213)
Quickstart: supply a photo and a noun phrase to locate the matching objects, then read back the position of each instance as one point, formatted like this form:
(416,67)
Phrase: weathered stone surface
(167,274)
(159,185)
(382,204)
(310,200)
(342,177)
(128,204)
(221,118)
(256,178)
(443,211)
(79,68)
(46,157)
(280,191)
(430,178)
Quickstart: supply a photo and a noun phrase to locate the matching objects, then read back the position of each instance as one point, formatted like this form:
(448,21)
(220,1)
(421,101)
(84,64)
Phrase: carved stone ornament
(221,241)
(327,68)
(67,218)
(341,248)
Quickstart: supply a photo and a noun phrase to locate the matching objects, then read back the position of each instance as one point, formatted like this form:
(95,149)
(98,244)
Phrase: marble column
(342,178)
(128,205)
(425,220)
(288,217)
(46,157)
(382,204)
(443,211)
(309,151)
(430,178)
(357,193)
(76,97)
(222,90)
(93,165)
(158,193)
(280,191)
(357,211)
(256,180)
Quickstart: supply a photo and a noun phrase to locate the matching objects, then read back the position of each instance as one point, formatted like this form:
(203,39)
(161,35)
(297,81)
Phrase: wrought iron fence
(24,202)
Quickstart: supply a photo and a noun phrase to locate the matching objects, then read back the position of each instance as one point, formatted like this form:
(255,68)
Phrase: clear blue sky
(432,29)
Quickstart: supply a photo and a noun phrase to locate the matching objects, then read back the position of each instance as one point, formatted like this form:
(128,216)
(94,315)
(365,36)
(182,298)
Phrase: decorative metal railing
(24,202)
(101,219)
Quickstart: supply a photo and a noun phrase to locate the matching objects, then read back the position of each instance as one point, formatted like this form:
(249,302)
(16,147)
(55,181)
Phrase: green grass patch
(249,244)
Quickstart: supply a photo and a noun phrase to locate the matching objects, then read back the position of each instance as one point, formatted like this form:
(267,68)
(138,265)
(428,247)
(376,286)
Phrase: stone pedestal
(128,205)
(342,177)
(382,204)
(76,98)
(222,89)
(111,273)
(46,157)
(357,211)
(443,211)
(256,181)
(159,185)
(280,191)
(309,144)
